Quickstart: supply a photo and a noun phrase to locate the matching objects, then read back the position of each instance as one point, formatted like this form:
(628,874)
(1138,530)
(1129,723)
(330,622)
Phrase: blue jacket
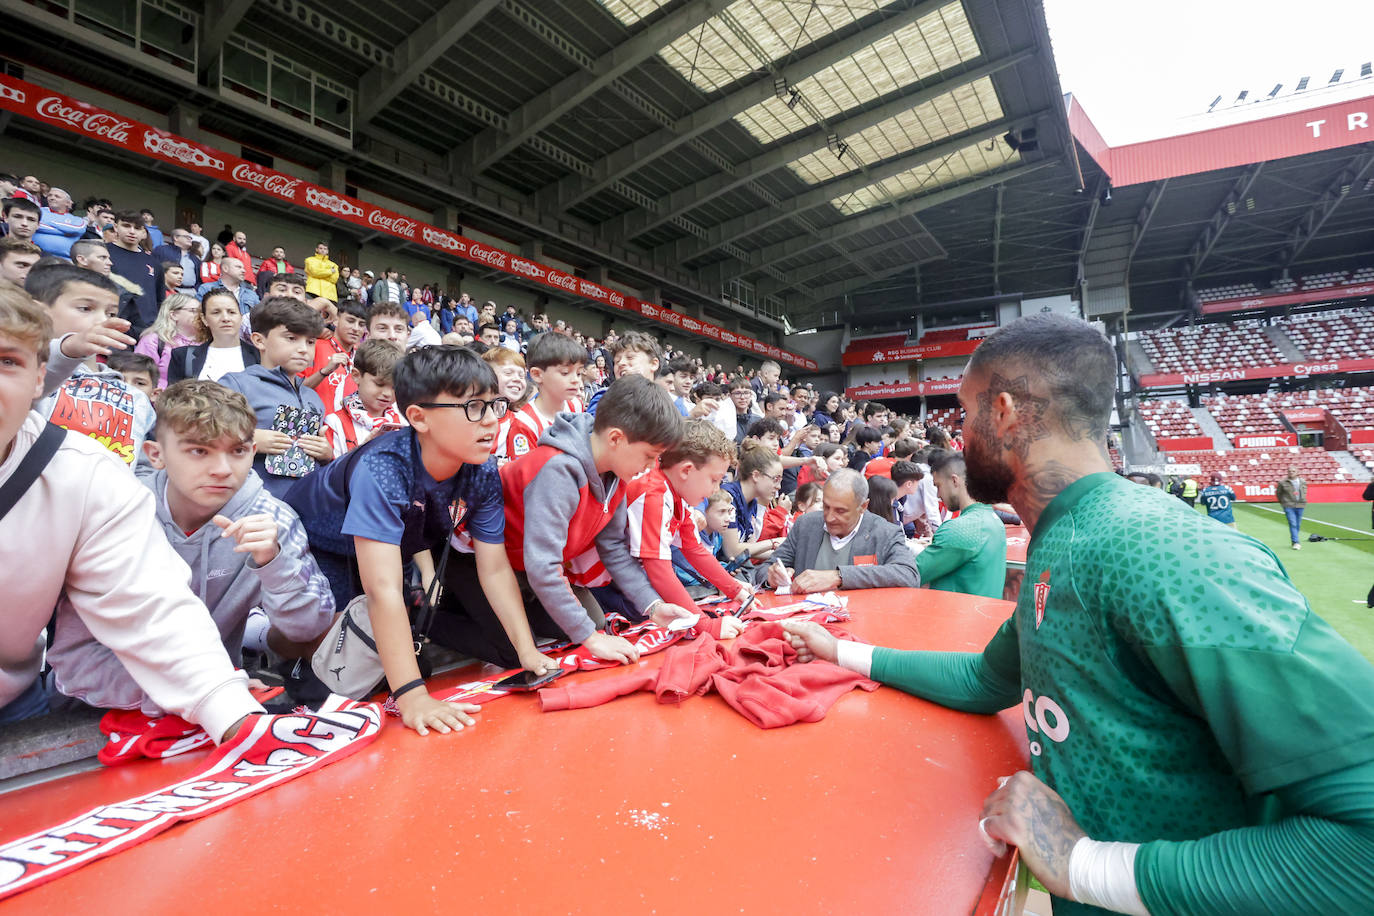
(248,297)
(57,231)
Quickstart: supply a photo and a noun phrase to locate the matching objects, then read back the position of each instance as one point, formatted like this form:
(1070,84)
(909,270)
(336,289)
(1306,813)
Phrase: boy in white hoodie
(105,567)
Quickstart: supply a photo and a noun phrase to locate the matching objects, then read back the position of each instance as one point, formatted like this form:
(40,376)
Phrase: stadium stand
(1170,420)
(948,417)
(1343,335)
(1261,467)
(1238,415)
(1210,346)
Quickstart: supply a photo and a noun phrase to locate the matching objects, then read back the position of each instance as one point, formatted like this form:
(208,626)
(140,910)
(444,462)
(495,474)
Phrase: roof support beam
(771,287)
(1312,221)
(1143,218)
(717,274)
(415,55)
(1233,201)
(220,19)
(840,287)
(731,230)
(997,243)
(572,190)
(484,150)
(637,222)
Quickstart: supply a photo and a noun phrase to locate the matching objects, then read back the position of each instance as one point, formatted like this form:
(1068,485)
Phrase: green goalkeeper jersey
(1171,676)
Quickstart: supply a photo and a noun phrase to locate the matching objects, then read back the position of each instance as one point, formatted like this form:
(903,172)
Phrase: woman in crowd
(177,325)
(827,407)
(209,267)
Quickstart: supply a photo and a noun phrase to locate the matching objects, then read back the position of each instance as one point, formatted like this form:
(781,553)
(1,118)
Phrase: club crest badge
(1042,595)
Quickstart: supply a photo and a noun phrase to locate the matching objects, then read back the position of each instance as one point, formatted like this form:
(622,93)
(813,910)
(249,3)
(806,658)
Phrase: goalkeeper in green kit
(1201,742)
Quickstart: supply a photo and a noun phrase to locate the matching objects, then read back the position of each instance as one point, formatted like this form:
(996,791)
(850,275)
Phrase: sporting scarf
(270,751)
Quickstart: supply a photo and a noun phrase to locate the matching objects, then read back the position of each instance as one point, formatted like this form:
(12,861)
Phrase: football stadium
(592,442)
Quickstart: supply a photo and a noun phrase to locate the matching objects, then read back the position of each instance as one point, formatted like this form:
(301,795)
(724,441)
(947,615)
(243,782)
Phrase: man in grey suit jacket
(843,546)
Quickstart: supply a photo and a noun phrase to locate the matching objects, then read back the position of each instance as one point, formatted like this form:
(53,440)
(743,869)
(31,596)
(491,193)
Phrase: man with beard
(1200,740)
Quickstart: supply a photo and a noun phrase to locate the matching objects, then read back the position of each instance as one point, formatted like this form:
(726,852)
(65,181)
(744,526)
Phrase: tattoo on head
(1031,423)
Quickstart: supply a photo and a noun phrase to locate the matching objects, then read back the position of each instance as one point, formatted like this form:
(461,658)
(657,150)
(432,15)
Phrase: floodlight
(1215,102)
(1275,91)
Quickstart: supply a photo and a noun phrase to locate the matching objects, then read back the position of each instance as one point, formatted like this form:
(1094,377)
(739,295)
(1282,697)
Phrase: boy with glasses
(406,493)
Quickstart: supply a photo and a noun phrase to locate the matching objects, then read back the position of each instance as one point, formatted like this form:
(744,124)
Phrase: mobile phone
(527,680)
(748,603)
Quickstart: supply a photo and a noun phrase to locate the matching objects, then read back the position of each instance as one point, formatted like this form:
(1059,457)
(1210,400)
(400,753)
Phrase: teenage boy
(284,332)
(868,444)
(331,374)
(555,366)
(139,268)
(634,354)
(371,408)
(245,548)
(95,400)
(138,371)
(565,511)
(659,512)
(17,257)
(408,492)
(389,321)
(104,567)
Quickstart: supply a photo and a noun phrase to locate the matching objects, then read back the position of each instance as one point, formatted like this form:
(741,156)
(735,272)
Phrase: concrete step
(1352,466)
(1290,350)
(1139,361)
(1211,427)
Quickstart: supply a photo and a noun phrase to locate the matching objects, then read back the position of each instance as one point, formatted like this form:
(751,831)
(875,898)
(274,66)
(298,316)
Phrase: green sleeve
(968,681)
(953,546)
(1319,860)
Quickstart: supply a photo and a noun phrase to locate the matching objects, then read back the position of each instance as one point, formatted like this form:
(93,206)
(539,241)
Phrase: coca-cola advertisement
(393,223)
(273,183)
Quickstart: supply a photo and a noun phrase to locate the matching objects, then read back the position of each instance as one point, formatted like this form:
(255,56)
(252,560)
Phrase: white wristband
(854,656)
(1103,875)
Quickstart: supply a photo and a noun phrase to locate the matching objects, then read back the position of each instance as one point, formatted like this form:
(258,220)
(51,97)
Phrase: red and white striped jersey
(657,519)
(526,426)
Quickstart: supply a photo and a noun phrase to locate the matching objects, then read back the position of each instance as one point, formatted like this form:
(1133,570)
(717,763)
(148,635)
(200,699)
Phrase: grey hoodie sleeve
(626,571)
(294,593)
(60,366)
(554,494)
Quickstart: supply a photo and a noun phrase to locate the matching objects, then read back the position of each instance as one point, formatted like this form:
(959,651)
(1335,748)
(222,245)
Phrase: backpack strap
(31,466)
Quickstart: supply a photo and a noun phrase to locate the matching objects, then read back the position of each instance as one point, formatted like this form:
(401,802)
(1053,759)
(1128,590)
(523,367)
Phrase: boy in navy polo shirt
(408,492)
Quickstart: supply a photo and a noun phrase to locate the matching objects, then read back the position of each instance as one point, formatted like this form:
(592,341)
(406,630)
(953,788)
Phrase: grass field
(1334,575)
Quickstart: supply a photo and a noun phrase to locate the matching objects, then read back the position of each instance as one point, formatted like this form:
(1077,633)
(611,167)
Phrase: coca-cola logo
(562,281)
(617,300)
(728,336)
(318,197)
(528,268)
(648,309)
(488,255)
(690,323)
(396,225)
(278,185)
(95,123)
(439,239)
(760,347)
(672,318)
(180,151)
(590,290)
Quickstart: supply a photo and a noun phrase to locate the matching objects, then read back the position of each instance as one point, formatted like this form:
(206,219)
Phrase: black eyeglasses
(476,408)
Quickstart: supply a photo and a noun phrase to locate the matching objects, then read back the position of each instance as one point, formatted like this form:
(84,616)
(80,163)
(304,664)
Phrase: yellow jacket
(321,275)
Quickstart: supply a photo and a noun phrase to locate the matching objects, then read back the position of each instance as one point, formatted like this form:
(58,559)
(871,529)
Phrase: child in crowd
(95,401)
(371,408)
(284,331)
(246,550)
(104,567)
(138,371)
(177,325)
(388,321)
(406,493)
(565,511)
(555,366)
(777,521)
(907,476)
(659,512)
(753,490)
(635,353)
(719,515)
(224,352)
(331,374)
(511,384)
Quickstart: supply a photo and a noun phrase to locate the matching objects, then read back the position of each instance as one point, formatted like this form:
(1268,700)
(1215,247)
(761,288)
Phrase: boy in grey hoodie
(284,331)
(94,400)
(245,548)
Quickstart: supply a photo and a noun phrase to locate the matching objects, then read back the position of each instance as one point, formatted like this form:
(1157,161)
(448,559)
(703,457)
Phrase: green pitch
(1334,575)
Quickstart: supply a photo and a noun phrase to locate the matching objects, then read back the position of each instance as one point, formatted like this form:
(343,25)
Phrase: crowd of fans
(240,392)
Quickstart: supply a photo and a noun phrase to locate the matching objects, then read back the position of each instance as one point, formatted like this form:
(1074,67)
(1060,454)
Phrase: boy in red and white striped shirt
(555,365)
(659,513)
(372,408)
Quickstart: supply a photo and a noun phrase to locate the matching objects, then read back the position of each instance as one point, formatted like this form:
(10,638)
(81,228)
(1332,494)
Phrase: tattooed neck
(1038,484)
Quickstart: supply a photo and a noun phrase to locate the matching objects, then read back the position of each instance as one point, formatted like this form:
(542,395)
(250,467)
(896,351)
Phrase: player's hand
(101,340)
(779,576)
(730,627)
(611,648)
(422,712)
(744,593)
(1027,814)
(816,580)
(811,640)
(703,408)
(255,535)
(537,662)
(316,447)
(665,613)
(271,441)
